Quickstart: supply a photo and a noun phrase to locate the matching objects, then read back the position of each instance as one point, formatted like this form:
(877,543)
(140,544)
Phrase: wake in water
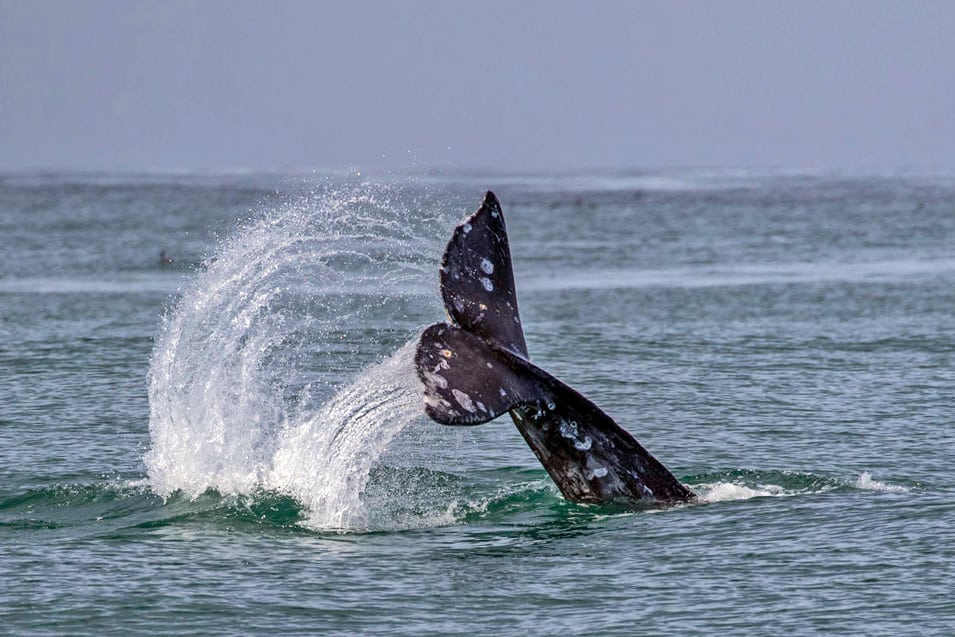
(254,381)
(744,485)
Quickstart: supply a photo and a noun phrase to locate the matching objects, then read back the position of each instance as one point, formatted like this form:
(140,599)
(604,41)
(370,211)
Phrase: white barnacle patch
(438,403)
(481,406)
(502,392)
(442,364)
(466,228)
(583,445)
(437,380)
(486,282)
(551,405)
(517,320)
(487,266)
(495,214)
(598,472)
(464,400)
(568,429)
(489,364)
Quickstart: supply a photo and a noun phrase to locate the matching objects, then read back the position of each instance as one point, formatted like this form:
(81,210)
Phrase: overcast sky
(522,86)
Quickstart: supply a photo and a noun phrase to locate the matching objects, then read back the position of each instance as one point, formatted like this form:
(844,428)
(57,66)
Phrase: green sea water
(234,442)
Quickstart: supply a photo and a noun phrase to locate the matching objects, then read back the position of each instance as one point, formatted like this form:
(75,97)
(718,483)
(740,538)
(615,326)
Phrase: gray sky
(522,86)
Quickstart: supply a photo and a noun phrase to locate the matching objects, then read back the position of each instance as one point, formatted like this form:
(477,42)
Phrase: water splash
(726,491)
(256,383)
(867,483)
(324,461)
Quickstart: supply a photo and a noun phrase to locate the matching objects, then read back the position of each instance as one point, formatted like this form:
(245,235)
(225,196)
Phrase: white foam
(867,483)
(727,491)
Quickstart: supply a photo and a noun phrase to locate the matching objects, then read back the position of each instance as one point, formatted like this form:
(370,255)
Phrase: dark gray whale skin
(476,367)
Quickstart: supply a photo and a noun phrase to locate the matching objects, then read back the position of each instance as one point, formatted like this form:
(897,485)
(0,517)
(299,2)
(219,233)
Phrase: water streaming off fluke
(257,381)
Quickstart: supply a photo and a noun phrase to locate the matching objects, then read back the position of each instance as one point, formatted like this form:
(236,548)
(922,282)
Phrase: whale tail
(476,368)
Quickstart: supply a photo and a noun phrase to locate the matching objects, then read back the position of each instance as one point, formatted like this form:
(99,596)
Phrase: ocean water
(234,442)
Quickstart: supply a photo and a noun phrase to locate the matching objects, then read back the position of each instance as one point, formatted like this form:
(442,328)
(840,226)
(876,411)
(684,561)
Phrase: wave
(748,484)
(393,499)
(733,275)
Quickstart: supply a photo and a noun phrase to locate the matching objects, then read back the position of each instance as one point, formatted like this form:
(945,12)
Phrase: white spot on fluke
(599,472)
(466,228)
(464,400)
(439,403)
(436,379)
(487,266)
(486,282)
(568,429)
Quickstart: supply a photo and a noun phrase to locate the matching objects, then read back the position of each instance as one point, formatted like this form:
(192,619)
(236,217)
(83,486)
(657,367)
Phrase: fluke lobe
(475,368)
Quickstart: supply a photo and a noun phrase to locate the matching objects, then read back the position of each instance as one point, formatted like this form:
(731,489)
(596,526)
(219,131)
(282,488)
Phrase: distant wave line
(744,275)
(54,285)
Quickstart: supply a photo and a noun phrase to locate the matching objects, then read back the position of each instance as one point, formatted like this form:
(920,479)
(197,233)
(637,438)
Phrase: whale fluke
(476,368)
(477,281)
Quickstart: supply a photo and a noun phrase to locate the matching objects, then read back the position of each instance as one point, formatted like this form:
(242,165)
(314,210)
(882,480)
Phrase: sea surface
(234,442)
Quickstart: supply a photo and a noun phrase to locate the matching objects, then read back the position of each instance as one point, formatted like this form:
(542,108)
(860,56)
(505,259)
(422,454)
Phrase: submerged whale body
(476,368)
